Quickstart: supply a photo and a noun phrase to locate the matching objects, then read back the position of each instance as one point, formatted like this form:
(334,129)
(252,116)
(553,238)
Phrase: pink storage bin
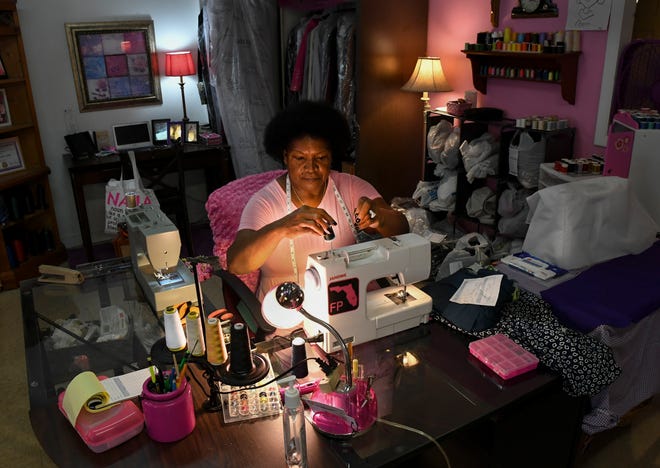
(106,429)
(503,355)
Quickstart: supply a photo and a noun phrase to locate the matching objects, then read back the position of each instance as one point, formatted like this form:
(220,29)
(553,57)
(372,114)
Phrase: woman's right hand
(250,249)
(307,220)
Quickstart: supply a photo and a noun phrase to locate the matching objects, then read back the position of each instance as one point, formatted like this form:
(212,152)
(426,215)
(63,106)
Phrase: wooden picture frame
(174,131)
(5,116)
(191,132)
(11,158)
(3,70)
(114,64)
(159,131)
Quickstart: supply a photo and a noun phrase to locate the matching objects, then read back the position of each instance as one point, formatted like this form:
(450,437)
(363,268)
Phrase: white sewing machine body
(336,289)
(155,247)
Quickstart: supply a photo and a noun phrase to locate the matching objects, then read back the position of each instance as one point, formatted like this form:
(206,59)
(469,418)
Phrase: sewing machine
(155,247)
(336,289)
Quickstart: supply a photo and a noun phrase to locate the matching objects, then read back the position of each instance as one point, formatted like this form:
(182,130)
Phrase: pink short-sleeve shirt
(269,204)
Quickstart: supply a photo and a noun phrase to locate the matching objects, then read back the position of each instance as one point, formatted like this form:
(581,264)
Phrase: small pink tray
(504,356)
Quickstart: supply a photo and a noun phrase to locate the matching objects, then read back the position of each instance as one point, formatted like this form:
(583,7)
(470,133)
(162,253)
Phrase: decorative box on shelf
(458,106)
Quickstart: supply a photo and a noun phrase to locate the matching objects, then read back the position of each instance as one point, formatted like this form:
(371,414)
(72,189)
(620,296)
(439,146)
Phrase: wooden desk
(215,161)
(525,421)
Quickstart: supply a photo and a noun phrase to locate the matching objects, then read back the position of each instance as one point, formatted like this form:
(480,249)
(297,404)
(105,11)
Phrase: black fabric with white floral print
(585,365)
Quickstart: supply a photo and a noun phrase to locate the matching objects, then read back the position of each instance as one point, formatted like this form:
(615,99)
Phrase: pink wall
(452,24)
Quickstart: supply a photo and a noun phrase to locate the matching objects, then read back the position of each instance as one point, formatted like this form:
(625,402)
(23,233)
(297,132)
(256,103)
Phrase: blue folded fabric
(617,292)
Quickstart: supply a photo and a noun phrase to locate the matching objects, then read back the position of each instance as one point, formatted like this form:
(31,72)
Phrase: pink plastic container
(168,416)
(503,355)
(360,404)
(106,429)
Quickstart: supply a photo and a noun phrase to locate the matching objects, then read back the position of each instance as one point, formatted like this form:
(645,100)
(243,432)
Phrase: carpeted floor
(18,445)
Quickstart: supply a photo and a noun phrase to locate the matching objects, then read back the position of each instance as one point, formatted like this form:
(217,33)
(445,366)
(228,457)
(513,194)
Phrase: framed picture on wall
(159,132)
(5,118)
(114,64)
(191,130)
(174,131)
(11,158)
(3,70)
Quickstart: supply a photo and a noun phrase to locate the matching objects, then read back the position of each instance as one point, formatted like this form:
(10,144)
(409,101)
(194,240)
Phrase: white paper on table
(479,291)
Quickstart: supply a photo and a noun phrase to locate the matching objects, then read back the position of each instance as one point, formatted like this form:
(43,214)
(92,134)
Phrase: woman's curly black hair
(316,119)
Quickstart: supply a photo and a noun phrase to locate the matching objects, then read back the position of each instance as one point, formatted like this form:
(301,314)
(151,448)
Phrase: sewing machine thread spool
(299,356)
(175,338)
(131,200)
(242,367)
(216,351)
(195,334)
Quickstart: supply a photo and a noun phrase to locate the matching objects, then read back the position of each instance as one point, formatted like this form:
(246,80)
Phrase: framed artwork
(11,158)
(5,118)
(114,64)
(174,131)
(191,130)
(3,70)
(159,131)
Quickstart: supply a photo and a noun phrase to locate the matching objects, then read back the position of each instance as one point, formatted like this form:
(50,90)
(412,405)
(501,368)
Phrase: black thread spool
(299,357)
(241,357)
(242,367)
(329,235)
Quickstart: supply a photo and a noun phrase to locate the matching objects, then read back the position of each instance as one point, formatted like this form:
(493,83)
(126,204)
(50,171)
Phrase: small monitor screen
(132,136)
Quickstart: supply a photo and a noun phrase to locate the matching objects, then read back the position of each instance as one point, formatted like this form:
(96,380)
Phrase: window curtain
(241,44)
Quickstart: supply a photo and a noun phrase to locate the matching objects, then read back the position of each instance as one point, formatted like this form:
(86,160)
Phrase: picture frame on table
(191,132)
(174,131)
(114,64)
(5,116)
(3,70)
(11,158)
(159,131)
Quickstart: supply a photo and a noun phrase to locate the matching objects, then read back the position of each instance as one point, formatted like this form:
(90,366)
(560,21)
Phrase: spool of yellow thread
(216,351)
(195,336)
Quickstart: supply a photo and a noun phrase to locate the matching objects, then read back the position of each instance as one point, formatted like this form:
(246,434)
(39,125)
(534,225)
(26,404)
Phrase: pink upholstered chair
(224,208)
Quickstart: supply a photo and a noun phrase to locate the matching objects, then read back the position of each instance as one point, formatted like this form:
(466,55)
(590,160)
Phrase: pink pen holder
(344,415)
(168,416)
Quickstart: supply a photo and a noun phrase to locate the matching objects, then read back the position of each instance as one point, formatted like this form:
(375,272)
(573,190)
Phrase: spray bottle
(293,419)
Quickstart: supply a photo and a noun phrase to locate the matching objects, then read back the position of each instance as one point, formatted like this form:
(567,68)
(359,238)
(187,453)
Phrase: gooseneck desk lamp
(351,408)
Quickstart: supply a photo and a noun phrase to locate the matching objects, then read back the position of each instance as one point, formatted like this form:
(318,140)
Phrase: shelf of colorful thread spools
(539,57)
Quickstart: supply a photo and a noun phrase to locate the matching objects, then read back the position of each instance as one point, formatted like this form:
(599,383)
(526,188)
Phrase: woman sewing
(310,208)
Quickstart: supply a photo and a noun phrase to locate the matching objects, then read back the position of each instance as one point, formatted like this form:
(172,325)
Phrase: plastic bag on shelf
(525,158)
(445,198)
(482,204)
(469,249)
(480,156)
(425,192)
(451,154)
(436,138)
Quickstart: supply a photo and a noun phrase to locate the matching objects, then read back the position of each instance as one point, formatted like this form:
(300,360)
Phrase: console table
(525,421)
(215,161)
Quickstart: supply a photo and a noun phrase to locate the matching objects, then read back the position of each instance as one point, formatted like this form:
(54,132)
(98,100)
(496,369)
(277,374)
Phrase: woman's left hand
(377,214)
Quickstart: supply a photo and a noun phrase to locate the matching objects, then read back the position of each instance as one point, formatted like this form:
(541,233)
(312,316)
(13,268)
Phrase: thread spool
(241,355)
(175,338)
(195,334)
(299,356)
(216,351)
(131,200)
(576,40)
